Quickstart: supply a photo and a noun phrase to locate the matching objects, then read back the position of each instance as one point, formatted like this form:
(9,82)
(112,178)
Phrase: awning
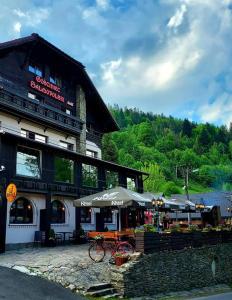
(118,197)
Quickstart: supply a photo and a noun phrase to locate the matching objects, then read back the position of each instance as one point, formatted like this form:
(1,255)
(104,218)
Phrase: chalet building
(52,120)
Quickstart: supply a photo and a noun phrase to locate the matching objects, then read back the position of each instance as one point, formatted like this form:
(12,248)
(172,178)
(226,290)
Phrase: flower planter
(120,260)
(51,243)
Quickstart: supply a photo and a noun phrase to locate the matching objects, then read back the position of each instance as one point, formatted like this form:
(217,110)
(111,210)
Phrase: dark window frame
(84,181)
(27,151)
(72,170)
(22,212)
(58,216)
(36,68)
(86,215)
(108,177)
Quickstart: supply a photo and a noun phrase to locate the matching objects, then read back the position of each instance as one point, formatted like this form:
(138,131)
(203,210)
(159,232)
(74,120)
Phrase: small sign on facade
(11,192)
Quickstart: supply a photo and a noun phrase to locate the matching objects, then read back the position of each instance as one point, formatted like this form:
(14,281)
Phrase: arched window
(21,212)
(58,212)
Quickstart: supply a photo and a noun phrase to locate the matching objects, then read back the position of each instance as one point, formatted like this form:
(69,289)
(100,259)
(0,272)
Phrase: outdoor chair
(59,239)
(39,238)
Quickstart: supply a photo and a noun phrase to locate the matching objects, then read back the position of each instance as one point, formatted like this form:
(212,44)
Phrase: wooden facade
(73,111)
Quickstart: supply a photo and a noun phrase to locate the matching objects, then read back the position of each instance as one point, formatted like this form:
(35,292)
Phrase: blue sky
(165,56)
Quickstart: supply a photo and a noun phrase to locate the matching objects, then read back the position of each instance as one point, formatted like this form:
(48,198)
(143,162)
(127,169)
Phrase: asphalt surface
(15,285)
(225,296)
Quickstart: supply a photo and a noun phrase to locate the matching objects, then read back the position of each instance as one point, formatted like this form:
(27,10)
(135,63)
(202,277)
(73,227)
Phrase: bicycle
(98,247)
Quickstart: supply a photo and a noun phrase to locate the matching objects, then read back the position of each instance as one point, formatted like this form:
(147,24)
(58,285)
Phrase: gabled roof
(34,37)
(217,198)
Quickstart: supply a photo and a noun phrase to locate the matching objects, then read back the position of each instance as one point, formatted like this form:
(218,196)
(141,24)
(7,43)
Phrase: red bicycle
(98,248)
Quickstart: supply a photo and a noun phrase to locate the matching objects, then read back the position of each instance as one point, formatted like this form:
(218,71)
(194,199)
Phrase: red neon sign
(46,88)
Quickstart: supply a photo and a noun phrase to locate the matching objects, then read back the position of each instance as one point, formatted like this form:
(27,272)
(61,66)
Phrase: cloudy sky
(165,56)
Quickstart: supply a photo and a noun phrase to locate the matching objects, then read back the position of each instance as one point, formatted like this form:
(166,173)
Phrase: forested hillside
(167,147)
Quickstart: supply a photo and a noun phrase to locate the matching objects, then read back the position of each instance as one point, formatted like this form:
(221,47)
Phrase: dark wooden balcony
(43,114)
(55,188)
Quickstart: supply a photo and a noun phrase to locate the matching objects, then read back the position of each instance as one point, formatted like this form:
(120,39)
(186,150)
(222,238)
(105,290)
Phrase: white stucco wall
(10,124)
(24,233)
(69,224)
(16,233)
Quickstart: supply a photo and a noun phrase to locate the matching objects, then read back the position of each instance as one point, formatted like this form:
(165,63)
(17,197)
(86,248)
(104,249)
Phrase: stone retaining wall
(174,271)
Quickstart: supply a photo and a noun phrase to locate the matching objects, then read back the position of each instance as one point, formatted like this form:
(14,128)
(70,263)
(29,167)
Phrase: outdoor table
(64,233)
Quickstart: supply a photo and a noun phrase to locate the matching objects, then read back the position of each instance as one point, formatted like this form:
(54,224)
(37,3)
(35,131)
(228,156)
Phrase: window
(21,212)
(66,145)
(91,153)
(53,78)
(111,179)
(34,68)
(86,215)
(58,212)
(35,97)
(89,176)
(68,112)
(28,162)
(33,136)
(108,215)
(131,184)
(64,170)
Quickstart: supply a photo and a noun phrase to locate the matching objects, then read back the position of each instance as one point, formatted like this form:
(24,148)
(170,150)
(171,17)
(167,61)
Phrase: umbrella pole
(119,219)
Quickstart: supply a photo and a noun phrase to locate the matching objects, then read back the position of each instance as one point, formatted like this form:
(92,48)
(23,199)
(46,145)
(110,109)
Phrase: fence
(149,242)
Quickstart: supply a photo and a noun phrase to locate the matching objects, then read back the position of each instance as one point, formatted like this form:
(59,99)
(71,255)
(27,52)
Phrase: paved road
(15,285)
(226,296)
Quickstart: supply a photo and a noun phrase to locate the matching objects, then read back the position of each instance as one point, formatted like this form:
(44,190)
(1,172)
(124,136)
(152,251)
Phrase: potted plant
(80,236)
(120,258)
(99,238)
(51,238)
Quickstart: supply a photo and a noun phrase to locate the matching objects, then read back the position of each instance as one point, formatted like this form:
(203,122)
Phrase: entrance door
(43,220)
(100,221)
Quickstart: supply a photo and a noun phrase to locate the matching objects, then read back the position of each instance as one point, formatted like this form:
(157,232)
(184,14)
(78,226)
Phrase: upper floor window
(131,183)
(89,176)
(64,170)
(91,153)
(111,179)
(66,145)
(21,212)
(28,162)
(36,69)
(53,78)
(58,212)
(33,136)
(35,97)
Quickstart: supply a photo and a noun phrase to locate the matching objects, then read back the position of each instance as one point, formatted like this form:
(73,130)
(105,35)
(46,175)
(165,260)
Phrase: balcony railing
(55,188)
(25,107)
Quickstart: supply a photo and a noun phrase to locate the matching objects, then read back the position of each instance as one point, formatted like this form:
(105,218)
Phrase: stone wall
(174,271)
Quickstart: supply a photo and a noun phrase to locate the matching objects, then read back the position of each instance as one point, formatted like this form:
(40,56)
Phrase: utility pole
(186,171)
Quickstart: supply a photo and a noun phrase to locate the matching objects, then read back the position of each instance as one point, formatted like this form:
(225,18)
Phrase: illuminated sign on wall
(47,88)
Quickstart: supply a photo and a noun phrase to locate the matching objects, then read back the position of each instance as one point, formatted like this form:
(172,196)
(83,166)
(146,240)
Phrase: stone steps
(104,290)
(98,286)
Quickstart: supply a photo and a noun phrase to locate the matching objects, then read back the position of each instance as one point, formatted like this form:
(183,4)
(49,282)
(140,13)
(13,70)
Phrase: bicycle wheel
(96,252)
(125,248)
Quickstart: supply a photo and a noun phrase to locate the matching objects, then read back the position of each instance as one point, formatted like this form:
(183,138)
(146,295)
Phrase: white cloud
(103,4)
(111,70)
(177,19)
(220,110)
(17,27)
(32,17)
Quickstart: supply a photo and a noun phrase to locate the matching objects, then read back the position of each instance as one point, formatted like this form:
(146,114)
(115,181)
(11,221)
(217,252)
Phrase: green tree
(109,149)
(155,180)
